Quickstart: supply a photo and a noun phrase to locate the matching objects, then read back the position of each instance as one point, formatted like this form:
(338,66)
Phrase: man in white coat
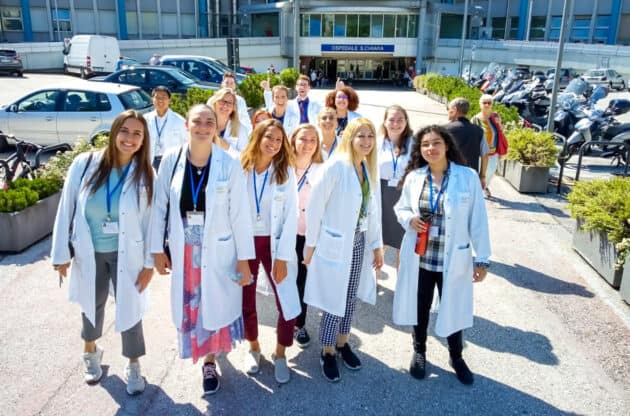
(166,128)
(303,105)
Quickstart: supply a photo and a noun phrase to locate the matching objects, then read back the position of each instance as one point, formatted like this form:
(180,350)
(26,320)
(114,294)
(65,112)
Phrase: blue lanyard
(110,194)
(394,159)
(256,197)
(195,189)
(332,147)
(437,200)
(302,180)
(160,130)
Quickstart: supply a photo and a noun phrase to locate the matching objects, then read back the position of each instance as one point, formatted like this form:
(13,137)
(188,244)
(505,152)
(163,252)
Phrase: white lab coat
(243,114)
(314,107)
(284,215)
(291,116)
(238,143)
(174,134)
(227,235)
(466,226)
(331,219)
(133,248)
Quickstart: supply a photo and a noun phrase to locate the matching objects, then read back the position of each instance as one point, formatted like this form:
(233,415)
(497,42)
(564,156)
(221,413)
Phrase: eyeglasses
(226,103)
(327,117)
(486,102)
(342,97)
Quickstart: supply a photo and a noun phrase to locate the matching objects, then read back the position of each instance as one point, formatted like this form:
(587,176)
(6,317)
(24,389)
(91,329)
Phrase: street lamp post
(472,52)
(556,83)
(461,49)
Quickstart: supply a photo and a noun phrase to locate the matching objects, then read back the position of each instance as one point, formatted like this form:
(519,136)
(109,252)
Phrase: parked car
(148,77)
(68,111)
(245,70)
(10,62)
(566,75)
(89,55)
(605,76)
(202,67)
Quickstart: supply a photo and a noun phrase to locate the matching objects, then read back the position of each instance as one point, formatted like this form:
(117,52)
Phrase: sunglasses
(486,102)
(342,97)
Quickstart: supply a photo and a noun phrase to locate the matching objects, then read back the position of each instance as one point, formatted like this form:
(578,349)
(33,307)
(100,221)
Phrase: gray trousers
(133,338)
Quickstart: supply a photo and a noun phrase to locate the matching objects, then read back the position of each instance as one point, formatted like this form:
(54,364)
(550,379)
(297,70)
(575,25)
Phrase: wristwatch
(482,264)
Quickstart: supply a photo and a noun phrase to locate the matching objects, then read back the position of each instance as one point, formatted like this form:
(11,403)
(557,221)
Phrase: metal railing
(607,142)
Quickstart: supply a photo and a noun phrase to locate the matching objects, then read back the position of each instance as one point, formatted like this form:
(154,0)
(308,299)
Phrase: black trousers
(300,321)
(426,284)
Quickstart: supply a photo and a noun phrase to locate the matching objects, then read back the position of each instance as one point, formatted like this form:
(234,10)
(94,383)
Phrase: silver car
(69,111)
(605,76)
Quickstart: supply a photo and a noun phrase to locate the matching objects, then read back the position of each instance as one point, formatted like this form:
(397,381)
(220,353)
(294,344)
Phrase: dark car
(148,77)
(10,62)
(566,75)
(203,67)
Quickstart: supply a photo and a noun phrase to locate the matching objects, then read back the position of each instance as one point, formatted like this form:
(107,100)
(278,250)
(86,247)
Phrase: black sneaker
(329,367)
(302,338)
(350,360)
(464,375)
(418,365)
(210,378)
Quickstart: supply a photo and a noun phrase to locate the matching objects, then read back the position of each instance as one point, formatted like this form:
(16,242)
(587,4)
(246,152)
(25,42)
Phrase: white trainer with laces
(92,360)
(135,381)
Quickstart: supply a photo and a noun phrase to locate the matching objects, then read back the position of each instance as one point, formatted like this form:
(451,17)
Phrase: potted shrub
(602,236)
(28,207)
(529,157)
(623,262)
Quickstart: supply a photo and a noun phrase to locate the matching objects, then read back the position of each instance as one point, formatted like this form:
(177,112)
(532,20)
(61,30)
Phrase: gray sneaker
(135,381)
(93,371)
(252,362)
(281,370)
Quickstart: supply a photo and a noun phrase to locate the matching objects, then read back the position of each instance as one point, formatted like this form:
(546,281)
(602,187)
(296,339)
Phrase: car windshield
(7,52)
(184,77)
(135,100)
(217,63)
(576,86)
(595,74)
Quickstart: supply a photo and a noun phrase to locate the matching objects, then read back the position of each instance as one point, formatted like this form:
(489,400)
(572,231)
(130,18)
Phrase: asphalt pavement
(550,336)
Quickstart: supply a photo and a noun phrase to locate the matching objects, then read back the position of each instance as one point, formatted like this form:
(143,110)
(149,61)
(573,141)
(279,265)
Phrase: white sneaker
(281,369)
(252,362)
(93,371)
(135,381)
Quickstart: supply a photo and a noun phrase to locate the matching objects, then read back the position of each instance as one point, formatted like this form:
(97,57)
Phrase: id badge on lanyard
(194,218)
(110,227)
(259,224)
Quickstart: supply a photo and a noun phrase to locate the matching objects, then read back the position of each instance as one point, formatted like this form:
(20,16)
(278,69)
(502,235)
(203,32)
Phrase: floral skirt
(194,340)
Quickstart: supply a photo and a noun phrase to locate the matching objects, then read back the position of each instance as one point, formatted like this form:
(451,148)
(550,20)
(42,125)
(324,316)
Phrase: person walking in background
(490,122)
(308,161)
(276,102)
(303,105)
(155,59)
(229,81)
(104,213)
(345,101)
(394,146)
(343,241)
(230,130)
(166,128)
(469,137)
(259,116)
(327,125)
(272,189)
(444,216)
(201,200)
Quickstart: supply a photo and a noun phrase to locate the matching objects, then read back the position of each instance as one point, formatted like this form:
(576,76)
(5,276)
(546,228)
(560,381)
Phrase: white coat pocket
(226,252)
(330,245)
(220,192)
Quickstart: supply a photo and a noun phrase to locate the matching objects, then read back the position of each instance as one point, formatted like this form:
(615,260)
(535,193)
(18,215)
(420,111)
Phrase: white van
(89,55)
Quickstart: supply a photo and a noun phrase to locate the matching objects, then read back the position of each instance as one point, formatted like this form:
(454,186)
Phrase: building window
(513,28)
(602,25)
(401,26)
(581,29)
(340,25)
(315,25)
(305,25)
(556,25)
(498,27)
(11,19)
(327,27)
(61,20)
(412,32)
(537,29)
(377,26)
(352,26)
(451,26)
(389,26)
(267,24)
(364,25)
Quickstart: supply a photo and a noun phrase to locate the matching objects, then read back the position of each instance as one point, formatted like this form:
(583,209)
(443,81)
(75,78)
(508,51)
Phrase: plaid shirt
(433,260)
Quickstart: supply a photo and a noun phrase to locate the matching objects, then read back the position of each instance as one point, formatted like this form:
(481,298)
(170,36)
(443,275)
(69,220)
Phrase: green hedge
(193,96)
(531,148)
(252,92)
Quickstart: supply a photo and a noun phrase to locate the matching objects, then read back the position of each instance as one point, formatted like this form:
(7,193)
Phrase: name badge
(393,182)
(259,226)
(110,227)
(434,231)
(194,217)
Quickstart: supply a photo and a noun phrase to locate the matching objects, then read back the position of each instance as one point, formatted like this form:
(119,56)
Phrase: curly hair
(416,160)
(353,98)
(281,161)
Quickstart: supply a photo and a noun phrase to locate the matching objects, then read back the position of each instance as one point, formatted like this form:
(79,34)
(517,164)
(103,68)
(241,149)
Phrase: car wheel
(623,86)
(4,144)
(20,74)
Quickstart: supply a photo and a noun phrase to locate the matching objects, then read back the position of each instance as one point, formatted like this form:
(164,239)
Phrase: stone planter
(595,248)
(501,167)
(624,288)
(526,179)
(23,228)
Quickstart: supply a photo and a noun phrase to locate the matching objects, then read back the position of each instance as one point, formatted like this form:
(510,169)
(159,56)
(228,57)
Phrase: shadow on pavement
(528,206)
(34,253)
(527,278)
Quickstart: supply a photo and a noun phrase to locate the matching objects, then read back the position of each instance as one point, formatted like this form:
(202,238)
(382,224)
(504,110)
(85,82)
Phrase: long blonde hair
(281,161)
(345,150)
(317,156)
(218,96)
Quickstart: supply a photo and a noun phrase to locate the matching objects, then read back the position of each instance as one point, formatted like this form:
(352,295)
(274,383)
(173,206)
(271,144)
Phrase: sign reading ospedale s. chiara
(327,47)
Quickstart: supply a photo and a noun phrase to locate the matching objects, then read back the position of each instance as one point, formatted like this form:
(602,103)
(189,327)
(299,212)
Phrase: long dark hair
(281,161)
(144,170)
(415,158)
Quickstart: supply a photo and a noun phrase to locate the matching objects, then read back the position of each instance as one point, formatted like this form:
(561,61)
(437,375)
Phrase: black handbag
(74,210)
(165,245)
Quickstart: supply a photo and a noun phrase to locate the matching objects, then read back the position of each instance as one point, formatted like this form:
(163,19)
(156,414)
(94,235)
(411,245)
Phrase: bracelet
(482,264)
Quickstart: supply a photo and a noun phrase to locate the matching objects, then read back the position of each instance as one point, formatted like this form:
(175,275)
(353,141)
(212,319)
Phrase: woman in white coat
(231,136)
(305,144)
(272,192)
(276,101)
(343,241)
(200,200)
(442,207)
(327,126)
(104,213)
(345,101)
